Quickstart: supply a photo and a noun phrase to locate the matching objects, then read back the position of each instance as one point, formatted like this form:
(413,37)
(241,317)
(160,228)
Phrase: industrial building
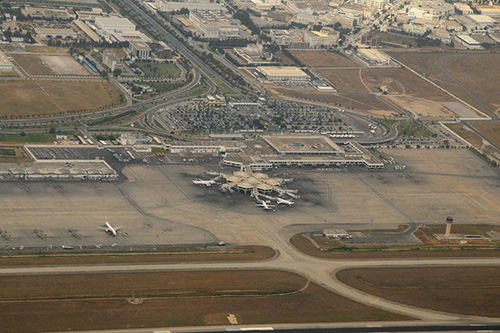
(114,24)
(199,5)
(490,10)
(374,57)
(215,24)
(48,33)
(321,38)
(468,41)
(47,13)
(482,20)
(282,73)
(85,170)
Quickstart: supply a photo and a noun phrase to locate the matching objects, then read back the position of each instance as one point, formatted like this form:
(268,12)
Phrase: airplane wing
(118,228)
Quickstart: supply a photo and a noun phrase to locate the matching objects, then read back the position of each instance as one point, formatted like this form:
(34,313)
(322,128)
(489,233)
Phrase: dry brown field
(99,301)
(467,134)
(476,72)
(316,59)
(400,81)
(464,290)
(237,253)
(345,80)
(304,244)
(45,98)
(32,64)
(491,130)
(364,103)
(13,154)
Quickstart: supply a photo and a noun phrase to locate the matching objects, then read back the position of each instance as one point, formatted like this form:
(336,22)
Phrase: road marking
(373,326)
(375,301)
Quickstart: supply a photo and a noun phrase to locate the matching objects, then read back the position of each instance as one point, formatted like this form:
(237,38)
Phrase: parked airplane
(265,205)
(110,229)
(285,202)
(201,182)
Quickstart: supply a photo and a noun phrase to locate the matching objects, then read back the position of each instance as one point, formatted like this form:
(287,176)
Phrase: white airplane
(285,202)
(109,228)
(201,182)
(265,206)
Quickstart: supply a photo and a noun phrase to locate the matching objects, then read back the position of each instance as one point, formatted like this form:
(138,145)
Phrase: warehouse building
(47,33)
(374,57)
(215,24)
(282,74)
(114,24)
(468,41)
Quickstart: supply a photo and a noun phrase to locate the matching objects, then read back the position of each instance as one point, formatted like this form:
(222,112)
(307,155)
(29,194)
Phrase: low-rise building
(463,8)
(321,38)
(468,41)
(215,24)
(490,10)
(282,74)
(374,57)
(139,50)
(47,33)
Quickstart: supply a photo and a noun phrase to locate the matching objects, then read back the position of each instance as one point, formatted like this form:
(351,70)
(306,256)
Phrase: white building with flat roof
(283,73)
(114,24)
(468,41)
(374,56)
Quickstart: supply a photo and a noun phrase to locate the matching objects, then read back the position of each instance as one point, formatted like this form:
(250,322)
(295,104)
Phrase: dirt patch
(192,305)
(317,59)
(422,108)
(464,290)
(238,253)
(63,65)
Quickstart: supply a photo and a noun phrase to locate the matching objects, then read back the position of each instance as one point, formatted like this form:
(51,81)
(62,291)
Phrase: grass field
(317,59)
(13,154)
(17,138)
(85,302)
(491,130)
(476,72)
(24,99)
(162,255)
(32,64)
(413,128)
(372,252)
(465,290)
(164,69)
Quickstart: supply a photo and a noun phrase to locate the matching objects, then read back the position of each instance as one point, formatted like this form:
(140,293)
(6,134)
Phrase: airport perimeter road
(320,271)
